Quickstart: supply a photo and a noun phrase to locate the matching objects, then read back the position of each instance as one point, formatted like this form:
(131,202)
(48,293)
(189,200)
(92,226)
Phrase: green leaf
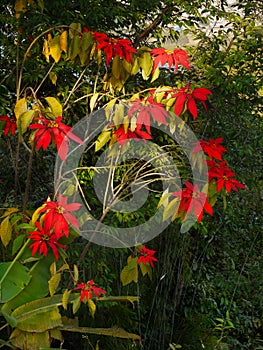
(18,241)
(129,274)
(53,77)
(65,299)
(5,231)
(13,278)
(76,304)
(25,119)
(112,332)
(116,67)
(146,63)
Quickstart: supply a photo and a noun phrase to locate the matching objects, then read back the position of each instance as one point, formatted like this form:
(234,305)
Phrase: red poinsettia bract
(58,215)
(43,240)
(147,256)
(114,47)
(188,97)
(212,148)
(224,176)
(173,58)
(123,134)
(48,130)
(193,200)
(146,108)
(10,124)
(88,289)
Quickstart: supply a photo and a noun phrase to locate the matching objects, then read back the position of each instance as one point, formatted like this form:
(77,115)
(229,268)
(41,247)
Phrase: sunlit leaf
(53,283)
(93,101)
(53,77)
(102,139)
(92,307)
(55,50)
(63,41)
(20,7)
(55,106)
(33,341)
(171,208)
(25,119)
(65,298)
(5,231)
(9,211)
(20,107)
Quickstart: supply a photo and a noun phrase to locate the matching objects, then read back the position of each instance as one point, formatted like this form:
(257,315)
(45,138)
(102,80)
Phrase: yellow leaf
(53,77)
(55,50)
(156,74)
(36,214)
(93,101)
(9,211)
(63,41)
(20,107)
(53,283)
(171,208)
(20,7)
(65,298)
(116,67)
(109,108)
(6,231)
(92,307)
(46,51)
(146,63)
(53,268)
(55,106)
(135,67)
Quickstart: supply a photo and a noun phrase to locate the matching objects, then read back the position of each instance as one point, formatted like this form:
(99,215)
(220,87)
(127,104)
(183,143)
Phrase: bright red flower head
(114,47)
(122,134)
(212,148)
(147,256)
(193,200)
(48,130)
(10,124)
(187,97)
(58,215)
(224,177)
(88,289)
(44,240)
(146,108)
(171,57)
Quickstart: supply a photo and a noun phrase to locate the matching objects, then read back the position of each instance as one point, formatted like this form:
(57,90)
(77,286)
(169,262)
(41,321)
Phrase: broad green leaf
(102,139)
(53,77)
(13,278)
(76,304)
(25,119)
(53,283)
(9,211)
(38,319)
(86,42)
(20,107)
(55,50)
(55,106)
(55,334)
(92,307)
(93,101)
(112,332)
(135,67)
(63,40)
(74,47)
(32,341)
(5,231)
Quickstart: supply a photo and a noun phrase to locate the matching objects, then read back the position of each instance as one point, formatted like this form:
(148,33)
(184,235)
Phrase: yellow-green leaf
(53,283)
(92,307)
(146,63)
(55,106)
(20,107)
(5,231)
(102,139)
(171,208)
(36,214)
(76,305)
(156,74)
(46,51)
(109,107)
(33,341)
(55,50)
(116,67)
(129,275)
(65,298)
(63,40)
(76,274)
(53,77)
(74,30)
(53,268)
(25,119)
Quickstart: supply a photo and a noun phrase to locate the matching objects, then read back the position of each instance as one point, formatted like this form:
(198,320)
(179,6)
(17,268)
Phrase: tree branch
(152,26)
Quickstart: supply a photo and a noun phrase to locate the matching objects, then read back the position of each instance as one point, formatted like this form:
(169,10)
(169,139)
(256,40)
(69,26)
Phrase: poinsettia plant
(30,281)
